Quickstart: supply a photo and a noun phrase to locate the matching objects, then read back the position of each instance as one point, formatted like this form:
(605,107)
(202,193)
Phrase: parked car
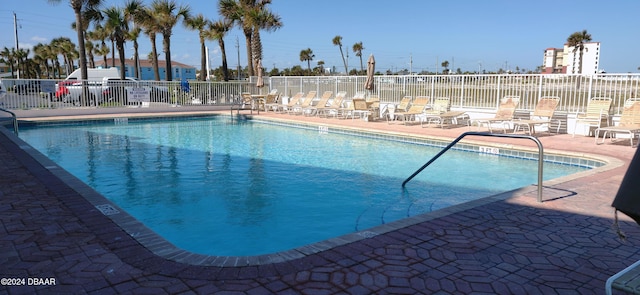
(61,89)
(28,86)
(117,90)
(113,90)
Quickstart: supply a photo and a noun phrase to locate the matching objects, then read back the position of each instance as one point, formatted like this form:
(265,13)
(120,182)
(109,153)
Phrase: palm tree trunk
(57,65)
(113,52)
(256,45)
(154,52)
(225,69)
(344,61)
(166,44)
(247,37)
(203,61)
(121,54)
(136,59)
(82,61)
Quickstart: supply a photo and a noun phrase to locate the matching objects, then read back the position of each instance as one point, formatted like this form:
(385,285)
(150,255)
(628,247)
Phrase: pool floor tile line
(507,246)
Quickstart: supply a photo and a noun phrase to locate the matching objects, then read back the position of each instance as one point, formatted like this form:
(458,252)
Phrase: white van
(93,76)
(96,75)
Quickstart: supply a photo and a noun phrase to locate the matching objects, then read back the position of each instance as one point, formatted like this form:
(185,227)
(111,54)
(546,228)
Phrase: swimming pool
(217,186)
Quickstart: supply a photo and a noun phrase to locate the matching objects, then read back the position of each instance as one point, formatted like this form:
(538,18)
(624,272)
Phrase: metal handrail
(540,155)
(14,121)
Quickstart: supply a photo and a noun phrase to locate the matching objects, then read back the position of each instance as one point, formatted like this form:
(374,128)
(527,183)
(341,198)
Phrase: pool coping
(164,249)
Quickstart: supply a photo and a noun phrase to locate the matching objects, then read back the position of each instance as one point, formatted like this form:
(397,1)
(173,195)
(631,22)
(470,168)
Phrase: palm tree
(262,18)
(321,67)
(445,65)
(78,6)
(199,23)
(357,49)
(146,18)
(90,47)
(307,55)
(21,58)
(67,49)
(8,56)
(89,15)
(133,35)
(337,41)
(40,55)
(132,13)
(47,52)
(250,16)
(101,34)
(39,61)
(166,14)
(217,30)
(119,27)
(576,41)
(236,11)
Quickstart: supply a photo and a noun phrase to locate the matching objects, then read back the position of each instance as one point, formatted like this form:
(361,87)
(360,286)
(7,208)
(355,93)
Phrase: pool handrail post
(14,120)
(455,141)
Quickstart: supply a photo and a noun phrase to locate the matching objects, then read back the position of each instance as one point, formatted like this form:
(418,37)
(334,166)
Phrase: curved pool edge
(164,249)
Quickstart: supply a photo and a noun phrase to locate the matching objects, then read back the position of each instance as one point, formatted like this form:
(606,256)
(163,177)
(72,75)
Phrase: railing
(479,91)
(540,155)
(14,120)
(464,91)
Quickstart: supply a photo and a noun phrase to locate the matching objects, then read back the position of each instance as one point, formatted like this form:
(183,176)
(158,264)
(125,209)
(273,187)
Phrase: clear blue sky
(470,34)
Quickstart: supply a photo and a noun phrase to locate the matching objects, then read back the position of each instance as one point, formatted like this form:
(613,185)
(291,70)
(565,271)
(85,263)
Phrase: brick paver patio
(565,245)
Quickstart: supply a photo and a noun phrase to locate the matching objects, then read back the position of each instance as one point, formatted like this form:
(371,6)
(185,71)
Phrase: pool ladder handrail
(240,103)
(240,108)
(454,142)
(14,120)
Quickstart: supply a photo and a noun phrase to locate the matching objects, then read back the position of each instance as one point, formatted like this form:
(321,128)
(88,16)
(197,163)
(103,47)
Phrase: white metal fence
(465,91)
(479,91)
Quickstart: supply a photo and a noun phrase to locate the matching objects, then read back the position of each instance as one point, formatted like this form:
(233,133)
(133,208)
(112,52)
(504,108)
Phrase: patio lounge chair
(324,99)
(596,114)
(504,115)
(360,108)
(629,122)
(298,109)
(542,115)
(246,99)
(417,107)
(347,108)
(295,100)
(373,103)
(333,108)
(271,100)
(440,113)
(400,108)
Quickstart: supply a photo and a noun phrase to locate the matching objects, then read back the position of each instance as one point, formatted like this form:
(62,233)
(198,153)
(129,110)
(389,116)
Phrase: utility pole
(208,65)
(15,27)
(410,64)
(238,49)
(347,63)
(452,65)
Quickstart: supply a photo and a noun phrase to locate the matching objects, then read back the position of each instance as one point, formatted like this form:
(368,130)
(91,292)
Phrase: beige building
(5,70)
(566,60)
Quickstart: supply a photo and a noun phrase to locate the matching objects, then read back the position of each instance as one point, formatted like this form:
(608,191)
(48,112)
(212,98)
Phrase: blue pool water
(215,186)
